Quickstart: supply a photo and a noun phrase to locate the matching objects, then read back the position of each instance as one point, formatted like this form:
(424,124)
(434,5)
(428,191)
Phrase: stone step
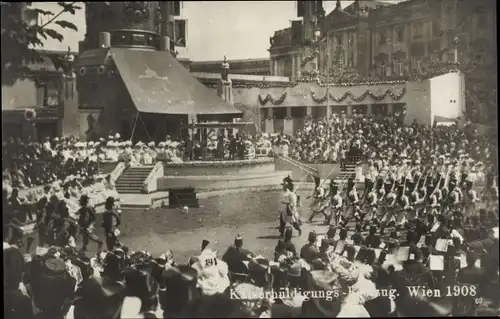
(131,179)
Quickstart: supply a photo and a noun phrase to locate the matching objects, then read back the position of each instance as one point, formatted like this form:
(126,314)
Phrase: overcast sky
(238,29)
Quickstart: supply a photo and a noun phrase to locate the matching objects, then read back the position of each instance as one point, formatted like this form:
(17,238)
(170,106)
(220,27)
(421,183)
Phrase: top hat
(51,272)
(99,297)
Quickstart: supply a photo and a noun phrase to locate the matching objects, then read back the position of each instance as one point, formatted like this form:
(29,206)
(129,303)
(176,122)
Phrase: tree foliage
(22,39)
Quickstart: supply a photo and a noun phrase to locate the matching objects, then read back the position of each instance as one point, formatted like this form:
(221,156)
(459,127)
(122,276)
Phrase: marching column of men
(396,196)
(55,227)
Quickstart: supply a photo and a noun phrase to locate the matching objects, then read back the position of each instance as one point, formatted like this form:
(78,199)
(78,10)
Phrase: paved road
(219,219)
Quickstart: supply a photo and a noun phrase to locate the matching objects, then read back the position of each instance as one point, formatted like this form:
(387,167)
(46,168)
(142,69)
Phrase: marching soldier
(336,203)
(352,208)
(432,200)
(110,222)
(471,199)
(371,199)
(455,196)
(404,205)
(318,197)
(86,220)
(390,203)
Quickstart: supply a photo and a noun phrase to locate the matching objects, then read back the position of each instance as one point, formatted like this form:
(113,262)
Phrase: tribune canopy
(158,83)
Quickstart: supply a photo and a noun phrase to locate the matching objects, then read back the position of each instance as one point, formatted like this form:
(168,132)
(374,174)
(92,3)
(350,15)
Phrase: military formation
(405,192)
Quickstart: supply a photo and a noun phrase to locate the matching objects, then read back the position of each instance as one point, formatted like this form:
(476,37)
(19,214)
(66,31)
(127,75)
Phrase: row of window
(320,112)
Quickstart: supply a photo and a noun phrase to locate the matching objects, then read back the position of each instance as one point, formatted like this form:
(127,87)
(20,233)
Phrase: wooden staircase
(132,179)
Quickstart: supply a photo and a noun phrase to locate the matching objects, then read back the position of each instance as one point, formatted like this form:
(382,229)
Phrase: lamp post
(317,34)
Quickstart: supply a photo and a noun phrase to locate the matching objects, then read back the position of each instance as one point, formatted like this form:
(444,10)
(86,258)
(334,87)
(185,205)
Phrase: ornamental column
(299,63)
(309,111)
(276,62)
(349,110)
(292,78)
(369,109)
(269,123)
(288,123)
(271,66)
(390,109)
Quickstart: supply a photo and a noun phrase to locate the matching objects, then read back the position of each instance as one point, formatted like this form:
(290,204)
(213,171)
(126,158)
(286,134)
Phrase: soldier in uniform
(86,220)
(318,198)
(352,208)
(236,255)
(432,200)
(310,251)
(471,199)
(455,196)
(404,205)
(336,204)
(110,222)
(390,203)
(371,200)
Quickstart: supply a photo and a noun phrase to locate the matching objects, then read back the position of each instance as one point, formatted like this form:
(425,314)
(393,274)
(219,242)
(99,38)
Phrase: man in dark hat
(99,298)
(180,301)
(372,240)
(235,255)
(86,222)
(18,303)
(110,222)
(310,251)
(51,272)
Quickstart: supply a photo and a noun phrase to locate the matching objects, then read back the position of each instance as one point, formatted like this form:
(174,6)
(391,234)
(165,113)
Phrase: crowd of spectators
(360,272)
(30,164)
(353,271)
(330,141)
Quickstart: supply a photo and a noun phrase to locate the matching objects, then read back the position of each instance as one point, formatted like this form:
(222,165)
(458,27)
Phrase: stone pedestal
(269,123)
(225,90)
(70,124)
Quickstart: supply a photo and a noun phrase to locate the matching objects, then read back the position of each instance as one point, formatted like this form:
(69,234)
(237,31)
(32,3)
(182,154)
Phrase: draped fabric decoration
(309,59)
(367,93)
(263,101)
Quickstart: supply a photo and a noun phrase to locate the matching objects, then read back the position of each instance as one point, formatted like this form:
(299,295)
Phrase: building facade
(381,41)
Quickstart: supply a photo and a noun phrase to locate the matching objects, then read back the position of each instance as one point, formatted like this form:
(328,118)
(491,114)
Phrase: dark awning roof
(157,83)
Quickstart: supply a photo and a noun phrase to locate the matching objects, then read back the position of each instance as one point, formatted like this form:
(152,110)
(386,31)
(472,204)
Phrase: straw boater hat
(139,144)
(110,137)
(117,135)
(151,144)
(161,144)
